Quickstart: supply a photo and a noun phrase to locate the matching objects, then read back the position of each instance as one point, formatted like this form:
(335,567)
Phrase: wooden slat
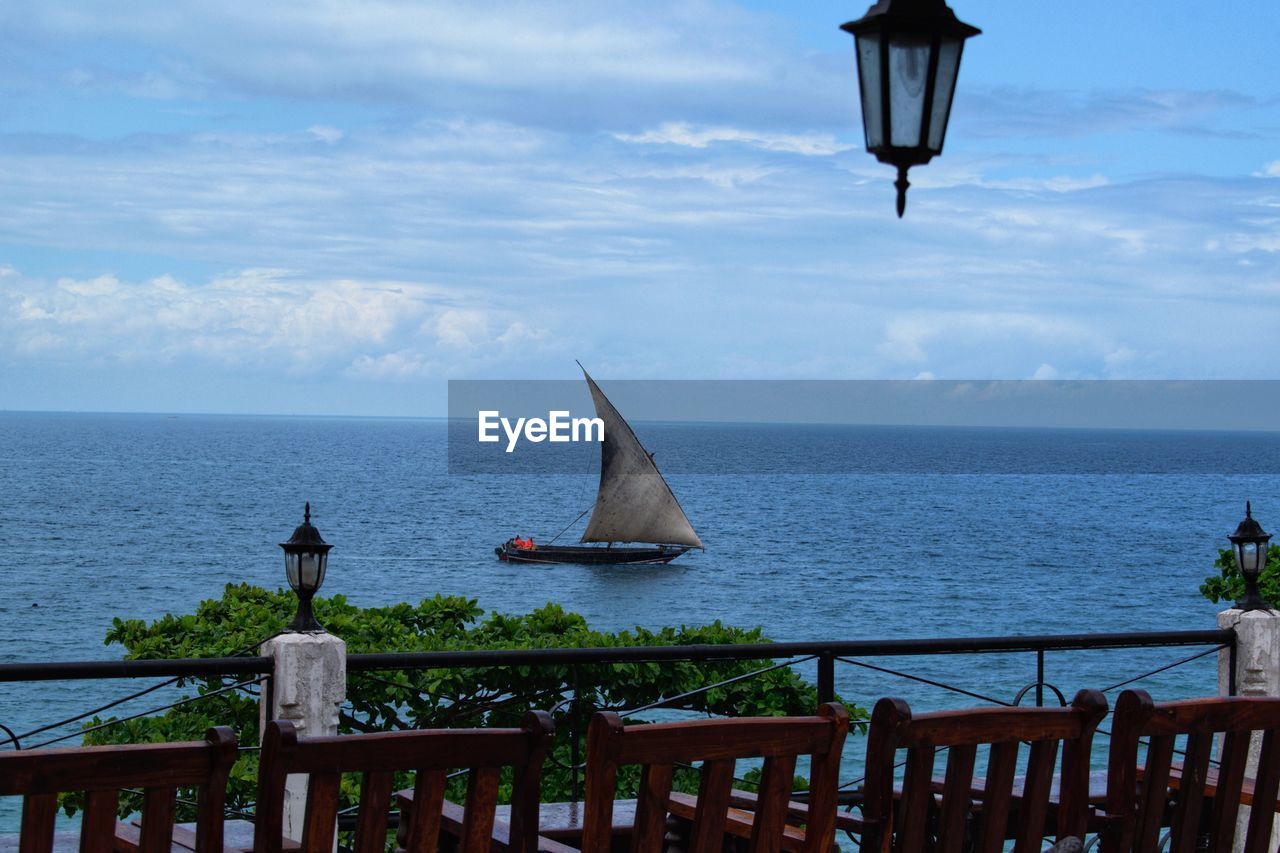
(955,798)
(157,820)
(98,826)
(482,798)
(321,821)
(375,800)
(771,809)
(917,797)
(1185,827)
(1155,787)
(38,812)
(713,806)
(1226,798)
(997,793)
(1264,791)
(1034,808)
(651,809)
(424,823)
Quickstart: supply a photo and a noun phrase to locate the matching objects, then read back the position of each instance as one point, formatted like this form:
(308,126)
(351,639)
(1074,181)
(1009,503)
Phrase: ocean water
(863,533)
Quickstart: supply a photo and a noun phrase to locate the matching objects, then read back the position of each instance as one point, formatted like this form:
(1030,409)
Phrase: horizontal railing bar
(755,651)
(52,671)
(60,670)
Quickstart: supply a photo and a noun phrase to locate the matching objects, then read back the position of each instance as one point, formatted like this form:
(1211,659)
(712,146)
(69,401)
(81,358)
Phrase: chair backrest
(1139,787)
(658,747)
(1005,812)
(39,775)
(430,754)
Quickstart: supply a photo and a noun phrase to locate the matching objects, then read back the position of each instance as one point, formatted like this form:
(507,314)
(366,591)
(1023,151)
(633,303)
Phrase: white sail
(634,503)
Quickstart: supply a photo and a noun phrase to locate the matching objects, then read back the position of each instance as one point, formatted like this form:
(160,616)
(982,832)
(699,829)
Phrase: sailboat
(636,516)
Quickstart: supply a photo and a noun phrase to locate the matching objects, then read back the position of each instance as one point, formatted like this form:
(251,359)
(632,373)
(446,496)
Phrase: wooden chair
(1142,791)
(39,775)
(430,754)
(977,814)
(658,747)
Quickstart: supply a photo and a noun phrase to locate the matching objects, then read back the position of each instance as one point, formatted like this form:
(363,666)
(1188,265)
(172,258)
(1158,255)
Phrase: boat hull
(590,556)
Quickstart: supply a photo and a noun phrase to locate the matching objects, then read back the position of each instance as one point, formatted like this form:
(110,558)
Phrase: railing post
(1039,678)
(308,684)
(575,730)
(826,677)
(1250,667)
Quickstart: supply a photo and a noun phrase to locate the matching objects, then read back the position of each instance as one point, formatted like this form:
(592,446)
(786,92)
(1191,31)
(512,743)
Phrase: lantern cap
(908,16)
(306,537)
(1249,530)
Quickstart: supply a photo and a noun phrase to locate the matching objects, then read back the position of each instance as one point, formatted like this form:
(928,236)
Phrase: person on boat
(529,544)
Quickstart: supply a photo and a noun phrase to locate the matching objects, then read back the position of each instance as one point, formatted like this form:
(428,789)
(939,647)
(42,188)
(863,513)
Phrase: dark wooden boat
(634,504)
(591,555)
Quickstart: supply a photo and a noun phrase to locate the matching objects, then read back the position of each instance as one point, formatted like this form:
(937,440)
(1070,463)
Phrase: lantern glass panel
(1250,557)
(908,70)
(291,569)
(944,88)
(869,74)
(310,570)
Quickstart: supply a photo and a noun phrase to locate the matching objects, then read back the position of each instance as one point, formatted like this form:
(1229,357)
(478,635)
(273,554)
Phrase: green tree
(1228,583)
(406,699)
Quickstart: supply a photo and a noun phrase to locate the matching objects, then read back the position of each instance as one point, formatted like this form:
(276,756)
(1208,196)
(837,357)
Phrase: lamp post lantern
(1250,545)
(908,59)
(306,556)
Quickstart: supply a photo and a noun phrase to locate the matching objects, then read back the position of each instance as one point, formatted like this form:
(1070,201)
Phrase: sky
(334,207)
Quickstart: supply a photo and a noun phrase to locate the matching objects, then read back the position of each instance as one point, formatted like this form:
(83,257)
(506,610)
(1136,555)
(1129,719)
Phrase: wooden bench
(919,818)
(1143,789)
(431,754)
(103,771)
(717,744)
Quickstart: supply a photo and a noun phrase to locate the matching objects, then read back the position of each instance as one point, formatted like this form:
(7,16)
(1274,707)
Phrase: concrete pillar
(1257,673)
(310,685)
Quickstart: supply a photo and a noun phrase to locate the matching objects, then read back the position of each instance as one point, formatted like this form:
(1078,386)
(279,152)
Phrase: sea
(866,533)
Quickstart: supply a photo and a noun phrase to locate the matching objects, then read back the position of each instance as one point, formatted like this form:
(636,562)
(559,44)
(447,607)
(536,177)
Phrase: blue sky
(334,207)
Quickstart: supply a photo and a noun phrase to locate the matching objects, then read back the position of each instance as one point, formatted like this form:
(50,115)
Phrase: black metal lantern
(1250,545)
(306,556)
(908,60)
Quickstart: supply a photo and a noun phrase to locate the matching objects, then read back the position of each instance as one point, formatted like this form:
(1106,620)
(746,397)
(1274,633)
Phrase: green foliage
(399,699)
(1228,584)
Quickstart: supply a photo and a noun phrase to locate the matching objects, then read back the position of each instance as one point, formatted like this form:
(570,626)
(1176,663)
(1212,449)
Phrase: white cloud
(326,133)
(1045,371)
(263,318)
(680,133)
(464,329)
